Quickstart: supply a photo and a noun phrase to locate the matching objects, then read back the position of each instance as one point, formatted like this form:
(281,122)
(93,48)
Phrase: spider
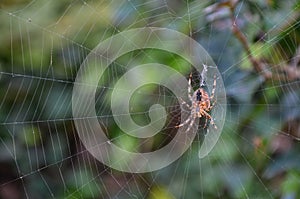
(201,105)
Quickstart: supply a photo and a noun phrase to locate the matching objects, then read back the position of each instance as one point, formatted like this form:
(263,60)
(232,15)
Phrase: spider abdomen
(202,99)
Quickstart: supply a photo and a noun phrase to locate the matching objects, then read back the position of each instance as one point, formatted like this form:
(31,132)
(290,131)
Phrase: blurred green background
(42,46)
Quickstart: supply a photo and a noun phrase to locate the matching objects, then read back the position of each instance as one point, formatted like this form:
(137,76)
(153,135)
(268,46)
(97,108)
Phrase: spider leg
(212,105)
(190,88)
(205,124)
(200,114)
(184,123)
(211,119)
(184,103)
(191,124)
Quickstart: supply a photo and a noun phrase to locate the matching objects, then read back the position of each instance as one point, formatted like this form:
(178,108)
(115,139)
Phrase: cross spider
(201,105)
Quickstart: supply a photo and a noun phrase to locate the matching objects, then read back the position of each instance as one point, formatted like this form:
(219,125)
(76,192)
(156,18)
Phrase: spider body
(201,105)
(201,99)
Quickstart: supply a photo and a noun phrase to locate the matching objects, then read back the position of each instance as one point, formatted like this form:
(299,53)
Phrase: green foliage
(291,184)
(159,192)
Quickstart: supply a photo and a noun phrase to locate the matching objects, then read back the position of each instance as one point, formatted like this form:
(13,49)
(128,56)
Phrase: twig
(258,66)
(289,72)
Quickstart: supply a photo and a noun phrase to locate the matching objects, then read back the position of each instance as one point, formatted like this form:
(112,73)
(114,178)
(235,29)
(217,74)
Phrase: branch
(289,72)
(257,64)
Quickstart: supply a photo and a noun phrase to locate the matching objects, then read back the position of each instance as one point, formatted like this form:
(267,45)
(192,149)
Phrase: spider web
(43,46)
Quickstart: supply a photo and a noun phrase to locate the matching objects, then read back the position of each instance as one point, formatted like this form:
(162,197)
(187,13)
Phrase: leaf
(160,192)
(291,185)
